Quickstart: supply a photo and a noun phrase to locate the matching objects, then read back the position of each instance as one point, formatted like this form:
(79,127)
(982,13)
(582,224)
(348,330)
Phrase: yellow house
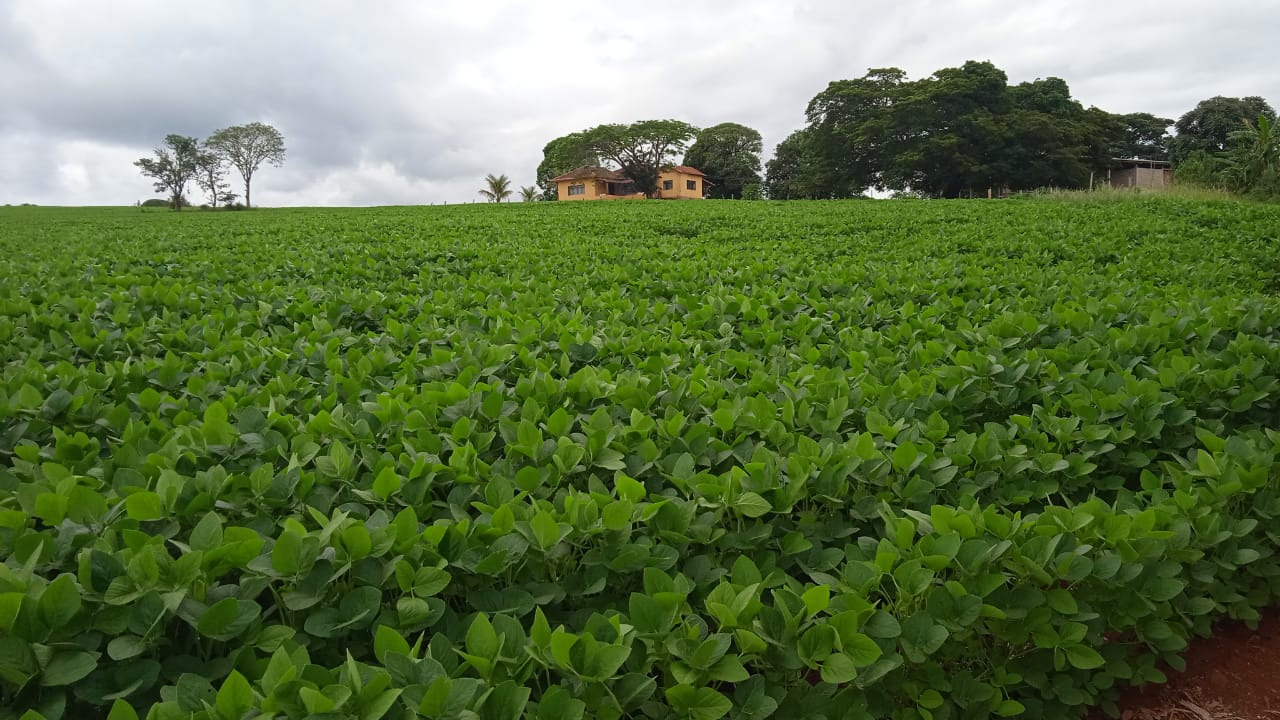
(594,183)
(600,183)
(682,183)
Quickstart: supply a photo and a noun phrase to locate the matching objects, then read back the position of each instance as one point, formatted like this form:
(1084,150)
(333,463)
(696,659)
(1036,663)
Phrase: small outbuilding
(1140,173)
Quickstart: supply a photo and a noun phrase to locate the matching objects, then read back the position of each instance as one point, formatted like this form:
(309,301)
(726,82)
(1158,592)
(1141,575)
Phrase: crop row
(846,460)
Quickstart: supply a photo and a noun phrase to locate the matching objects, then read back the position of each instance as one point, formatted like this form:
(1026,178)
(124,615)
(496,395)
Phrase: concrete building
(1139,173)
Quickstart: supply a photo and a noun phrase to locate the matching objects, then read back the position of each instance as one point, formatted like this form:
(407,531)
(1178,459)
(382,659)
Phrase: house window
(667,184)
(579,189)
(691,184)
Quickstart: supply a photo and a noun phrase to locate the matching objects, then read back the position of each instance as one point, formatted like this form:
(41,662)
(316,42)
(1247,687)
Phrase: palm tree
(499,188)
(1255,159)
(529,194)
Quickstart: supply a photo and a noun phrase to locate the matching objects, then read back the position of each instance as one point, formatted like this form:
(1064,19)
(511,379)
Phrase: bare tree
(172,167)
(246,147)
(211,173)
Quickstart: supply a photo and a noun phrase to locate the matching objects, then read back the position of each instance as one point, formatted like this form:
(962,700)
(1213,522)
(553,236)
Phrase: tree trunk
(246,193)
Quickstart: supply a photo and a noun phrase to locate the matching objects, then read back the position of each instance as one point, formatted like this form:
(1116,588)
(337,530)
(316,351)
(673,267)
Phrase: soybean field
(918,460)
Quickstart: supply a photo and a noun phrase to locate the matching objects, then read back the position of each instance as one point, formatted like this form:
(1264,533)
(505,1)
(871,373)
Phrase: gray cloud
(407,102)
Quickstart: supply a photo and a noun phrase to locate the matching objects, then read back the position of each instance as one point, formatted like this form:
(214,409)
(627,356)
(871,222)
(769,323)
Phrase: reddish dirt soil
(1234,675)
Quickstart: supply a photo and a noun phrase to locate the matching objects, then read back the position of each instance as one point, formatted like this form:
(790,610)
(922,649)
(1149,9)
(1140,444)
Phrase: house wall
(594,189)
(1145,178)
(679,189)
(599,189)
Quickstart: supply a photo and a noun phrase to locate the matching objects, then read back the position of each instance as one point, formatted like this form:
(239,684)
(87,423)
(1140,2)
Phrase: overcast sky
(414,102)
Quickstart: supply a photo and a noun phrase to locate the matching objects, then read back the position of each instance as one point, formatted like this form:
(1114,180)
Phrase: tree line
(728,153)
(959,132)
(182,160)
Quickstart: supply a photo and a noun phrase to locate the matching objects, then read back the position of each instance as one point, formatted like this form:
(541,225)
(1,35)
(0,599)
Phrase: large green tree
(855,130)
(172,167)
(958,132)
(1141,135)
(793,171)
(729,154)
(642,149)
(1208,126)
(246,147)
(958,135)
(562,155)
(1052,139)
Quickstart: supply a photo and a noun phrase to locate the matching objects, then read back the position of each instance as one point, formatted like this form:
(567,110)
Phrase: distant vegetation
(964,130)
(159,203)
(1241,157)
(730,152)
(640,150)
(182,160)
(960,132)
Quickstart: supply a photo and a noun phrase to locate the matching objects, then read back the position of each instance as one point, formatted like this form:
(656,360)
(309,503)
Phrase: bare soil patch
(1233,675)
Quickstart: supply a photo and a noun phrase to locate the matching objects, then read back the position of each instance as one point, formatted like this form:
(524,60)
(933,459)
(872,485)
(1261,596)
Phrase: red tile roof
(591,172)
(686,170)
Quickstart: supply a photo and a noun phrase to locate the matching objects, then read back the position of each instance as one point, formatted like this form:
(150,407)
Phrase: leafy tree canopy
(1253,163)
(1208,126)
(729,154)
(1141,135)
(172,167)
(851,137)
(792,172)
(246,147)
(211,172)
(562,155)
(642,149)
(957,132)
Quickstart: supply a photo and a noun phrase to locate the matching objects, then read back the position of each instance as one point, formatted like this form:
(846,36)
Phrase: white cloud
(415,102)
